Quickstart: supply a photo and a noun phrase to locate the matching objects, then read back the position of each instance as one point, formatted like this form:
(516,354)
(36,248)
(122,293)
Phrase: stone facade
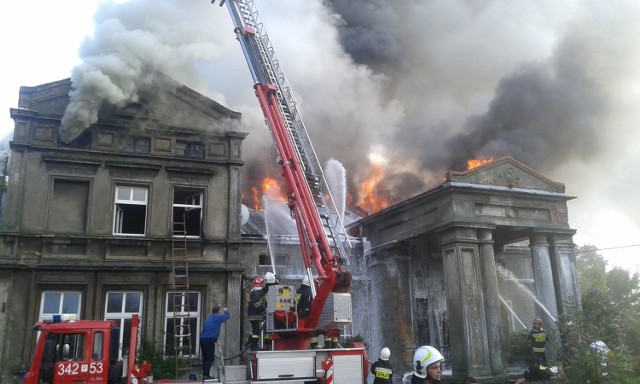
(447,267)
(88,224)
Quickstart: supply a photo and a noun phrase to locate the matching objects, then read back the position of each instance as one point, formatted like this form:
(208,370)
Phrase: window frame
(118,212)
(49,316)
(168,314)
(122,316)
(199,192)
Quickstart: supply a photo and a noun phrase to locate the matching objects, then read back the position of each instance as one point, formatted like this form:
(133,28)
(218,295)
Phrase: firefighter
(536,372)
(303,298)
(382,370)
(269,280)
(538,338)
(256,311)
(426,366)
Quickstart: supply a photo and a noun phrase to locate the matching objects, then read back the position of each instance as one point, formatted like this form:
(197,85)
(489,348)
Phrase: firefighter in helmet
(538,338)
(426,366)
(256,311)
(382,369)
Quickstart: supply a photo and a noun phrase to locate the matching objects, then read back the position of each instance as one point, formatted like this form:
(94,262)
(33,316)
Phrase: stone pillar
(465,303)
(545,290)
(565,274)
(233,336)
(491,301)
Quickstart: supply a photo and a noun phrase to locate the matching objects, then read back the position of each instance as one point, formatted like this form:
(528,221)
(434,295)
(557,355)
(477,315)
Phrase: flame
(370,197)
(269,188)
(475,163)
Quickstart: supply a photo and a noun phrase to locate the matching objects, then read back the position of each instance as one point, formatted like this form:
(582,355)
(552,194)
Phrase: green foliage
(353,339)
(610,307)
(163,366)
(520,348)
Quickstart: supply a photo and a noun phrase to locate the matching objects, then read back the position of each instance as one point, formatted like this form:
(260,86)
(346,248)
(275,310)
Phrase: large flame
(371,196)
(475,163)
(269,188)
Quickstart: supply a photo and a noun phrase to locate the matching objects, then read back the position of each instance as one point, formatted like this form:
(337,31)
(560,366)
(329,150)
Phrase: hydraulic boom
(317,219)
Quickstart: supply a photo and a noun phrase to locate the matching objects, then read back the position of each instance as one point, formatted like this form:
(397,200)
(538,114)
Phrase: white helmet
(424,357)
(269,278)
(385,353)
(305,280)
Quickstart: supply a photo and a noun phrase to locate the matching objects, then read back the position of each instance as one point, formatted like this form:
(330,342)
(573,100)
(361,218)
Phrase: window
(120,307)
(98,344)
(68,208)
(189,149)
(184,311)
(187,207)
(132,144)
(60,303)
(130,211)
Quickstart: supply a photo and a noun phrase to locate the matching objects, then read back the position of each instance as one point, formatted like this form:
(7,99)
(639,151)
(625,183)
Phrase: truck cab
(80,351)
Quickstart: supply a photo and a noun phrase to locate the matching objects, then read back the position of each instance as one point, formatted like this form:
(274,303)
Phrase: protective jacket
(257,305)
(382,372)
(303,298)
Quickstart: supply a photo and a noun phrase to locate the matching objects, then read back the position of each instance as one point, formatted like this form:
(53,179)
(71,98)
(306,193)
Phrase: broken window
(189,149)
(187,209)
(68,208)
(130,210)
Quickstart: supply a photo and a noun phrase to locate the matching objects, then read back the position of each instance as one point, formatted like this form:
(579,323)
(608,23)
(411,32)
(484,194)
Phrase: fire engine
(322,237)
(87,350)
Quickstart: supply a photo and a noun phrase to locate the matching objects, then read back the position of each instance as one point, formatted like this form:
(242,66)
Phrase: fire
(370,197)
(475,163)
(269,188)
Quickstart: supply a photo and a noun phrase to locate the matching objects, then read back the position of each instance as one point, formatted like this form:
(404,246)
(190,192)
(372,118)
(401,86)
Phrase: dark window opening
(187,210)
(134,144)
(189,149)
(130,211)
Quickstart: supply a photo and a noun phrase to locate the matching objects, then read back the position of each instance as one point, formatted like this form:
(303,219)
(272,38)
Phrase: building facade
(465,265)
(90,226)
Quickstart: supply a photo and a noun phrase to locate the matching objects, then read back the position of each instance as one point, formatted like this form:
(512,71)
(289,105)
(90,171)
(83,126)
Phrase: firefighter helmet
(270,278)
(305,280)
(424,357)
(385,353)
(258,282)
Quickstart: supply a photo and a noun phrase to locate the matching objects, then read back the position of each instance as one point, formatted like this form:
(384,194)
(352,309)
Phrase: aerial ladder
(323,240)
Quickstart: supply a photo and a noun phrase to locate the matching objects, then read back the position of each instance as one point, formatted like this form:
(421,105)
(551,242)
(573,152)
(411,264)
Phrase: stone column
(233,336)
(491,301)
(465,303)
(565,274)
(545,290)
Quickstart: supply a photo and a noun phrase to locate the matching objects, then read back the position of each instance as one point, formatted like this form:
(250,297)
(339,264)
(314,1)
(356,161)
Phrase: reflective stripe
(383,373)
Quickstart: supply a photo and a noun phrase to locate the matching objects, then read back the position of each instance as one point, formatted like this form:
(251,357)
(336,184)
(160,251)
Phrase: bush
(163,367)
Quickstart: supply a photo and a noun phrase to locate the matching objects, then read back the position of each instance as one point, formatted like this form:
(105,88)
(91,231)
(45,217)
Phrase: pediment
(506,172)
(165,103)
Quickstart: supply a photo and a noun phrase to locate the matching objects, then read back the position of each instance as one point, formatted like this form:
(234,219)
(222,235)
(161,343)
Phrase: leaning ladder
(182,342)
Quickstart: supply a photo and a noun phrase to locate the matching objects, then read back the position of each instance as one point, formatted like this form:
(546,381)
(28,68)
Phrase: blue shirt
(211,329)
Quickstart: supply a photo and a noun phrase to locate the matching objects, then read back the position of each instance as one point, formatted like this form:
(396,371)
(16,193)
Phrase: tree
(610,308)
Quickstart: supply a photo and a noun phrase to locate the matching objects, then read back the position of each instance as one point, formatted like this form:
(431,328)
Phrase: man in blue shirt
(209,337)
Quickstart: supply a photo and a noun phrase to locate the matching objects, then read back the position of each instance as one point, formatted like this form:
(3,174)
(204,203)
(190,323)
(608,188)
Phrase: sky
(413,87)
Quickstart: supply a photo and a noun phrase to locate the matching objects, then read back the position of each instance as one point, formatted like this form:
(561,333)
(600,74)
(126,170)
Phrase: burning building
(89,232)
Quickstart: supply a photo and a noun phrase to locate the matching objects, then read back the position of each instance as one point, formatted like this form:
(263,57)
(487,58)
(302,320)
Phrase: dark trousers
(255,332)
(208,348)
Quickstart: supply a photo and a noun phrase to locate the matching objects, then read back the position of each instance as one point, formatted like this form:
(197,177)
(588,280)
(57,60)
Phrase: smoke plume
(425,84)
